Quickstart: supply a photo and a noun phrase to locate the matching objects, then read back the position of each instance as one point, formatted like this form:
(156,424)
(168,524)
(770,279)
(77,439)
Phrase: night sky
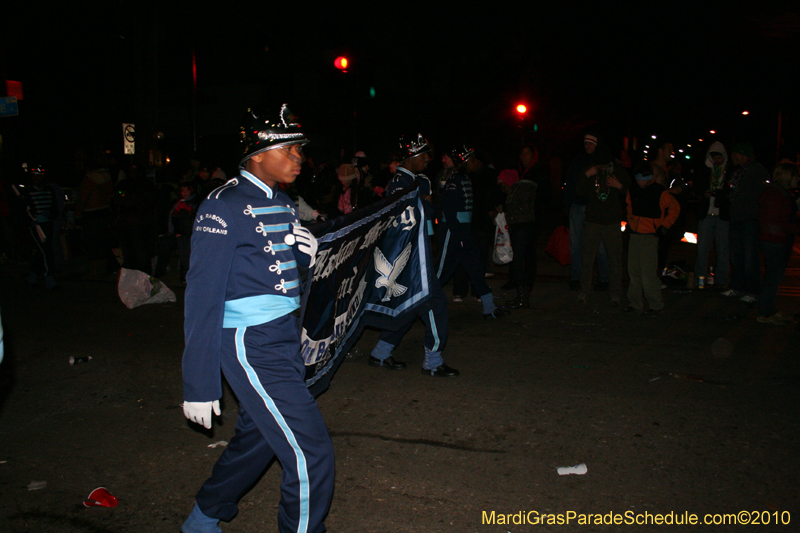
(453,73)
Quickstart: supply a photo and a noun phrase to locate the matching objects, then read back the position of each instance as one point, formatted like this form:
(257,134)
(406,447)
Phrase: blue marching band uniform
(242,285)
(456,245)
(433,313)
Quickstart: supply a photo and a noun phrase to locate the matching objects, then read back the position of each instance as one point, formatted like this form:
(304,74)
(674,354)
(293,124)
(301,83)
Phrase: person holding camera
(605,184)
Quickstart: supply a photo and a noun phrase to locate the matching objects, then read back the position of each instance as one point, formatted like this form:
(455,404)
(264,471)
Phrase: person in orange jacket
(652,210)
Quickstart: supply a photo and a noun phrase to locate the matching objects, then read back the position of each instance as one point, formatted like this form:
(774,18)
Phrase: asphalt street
(691,413)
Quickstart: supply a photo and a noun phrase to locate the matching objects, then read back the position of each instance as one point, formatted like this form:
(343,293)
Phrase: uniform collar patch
(258,183)
(403,170)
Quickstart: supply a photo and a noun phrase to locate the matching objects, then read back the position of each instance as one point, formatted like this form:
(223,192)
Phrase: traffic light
(521,109)
(341,63)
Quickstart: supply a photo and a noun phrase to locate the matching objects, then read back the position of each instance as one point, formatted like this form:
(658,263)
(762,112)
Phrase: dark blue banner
(373,268)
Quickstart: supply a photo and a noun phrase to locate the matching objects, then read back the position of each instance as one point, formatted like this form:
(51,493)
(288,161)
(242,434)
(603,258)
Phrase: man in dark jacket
(744,190)
(575,205)
(604,184)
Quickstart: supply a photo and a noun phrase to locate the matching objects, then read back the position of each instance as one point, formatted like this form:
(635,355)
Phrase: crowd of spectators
(741,213)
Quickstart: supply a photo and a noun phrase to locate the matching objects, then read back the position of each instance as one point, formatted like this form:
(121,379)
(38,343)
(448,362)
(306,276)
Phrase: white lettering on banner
(407,217)
(313,351)
(375,232)
(346,287)
(322,257)
(327,263)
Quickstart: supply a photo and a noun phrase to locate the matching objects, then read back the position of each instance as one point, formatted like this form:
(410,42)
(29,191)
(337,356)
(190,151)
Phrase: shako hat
(259,133)
(413,145)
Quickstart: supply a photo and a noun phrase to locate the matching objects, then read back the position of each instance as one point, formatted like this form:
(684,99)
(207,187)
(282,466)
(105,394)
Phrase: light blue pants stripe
(434,332)
(302,470)
(444,254)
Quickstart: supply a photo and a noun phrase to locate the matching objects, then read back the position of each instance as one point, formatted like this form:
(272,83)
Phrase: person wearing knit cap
(575,206)
(604,183)
(346,173)
(743,191)
(508,177)
(360,160)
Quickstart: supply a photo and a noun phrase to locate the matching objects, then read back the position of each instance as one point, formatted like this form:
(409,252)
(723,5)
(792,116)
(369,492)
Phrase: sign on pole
(128,138)
(8,106)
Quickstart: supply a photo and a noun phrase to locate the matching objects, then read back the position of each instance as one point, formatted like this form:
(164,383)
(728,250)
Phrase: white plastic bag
(137,288)
(502,242)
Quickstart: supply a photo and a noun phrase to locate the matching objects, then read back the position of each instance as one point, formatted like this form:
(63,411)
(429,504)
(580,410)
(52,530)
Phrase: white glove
(306,242)
(200,412)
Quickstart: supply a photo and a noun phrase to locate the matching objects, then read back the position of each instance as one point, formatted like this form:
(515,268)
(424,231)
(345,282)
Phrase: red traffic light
(521,109)
(341,63)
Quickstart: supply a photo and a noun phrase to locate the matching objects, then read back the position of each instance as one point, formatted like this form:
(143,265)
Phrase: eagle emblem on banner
(390,271)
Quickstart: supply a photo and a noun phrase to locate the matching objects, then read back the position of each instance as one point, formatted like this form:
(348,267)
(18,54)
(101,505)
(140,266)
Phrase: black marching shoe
(522,301)
(390,363)
(442,371)
(499,312)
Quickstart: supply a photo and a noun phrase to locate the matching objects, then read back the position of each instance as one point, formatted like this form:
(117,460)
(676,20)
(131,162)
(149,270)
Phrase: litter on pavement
(578,470)
(100,497)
